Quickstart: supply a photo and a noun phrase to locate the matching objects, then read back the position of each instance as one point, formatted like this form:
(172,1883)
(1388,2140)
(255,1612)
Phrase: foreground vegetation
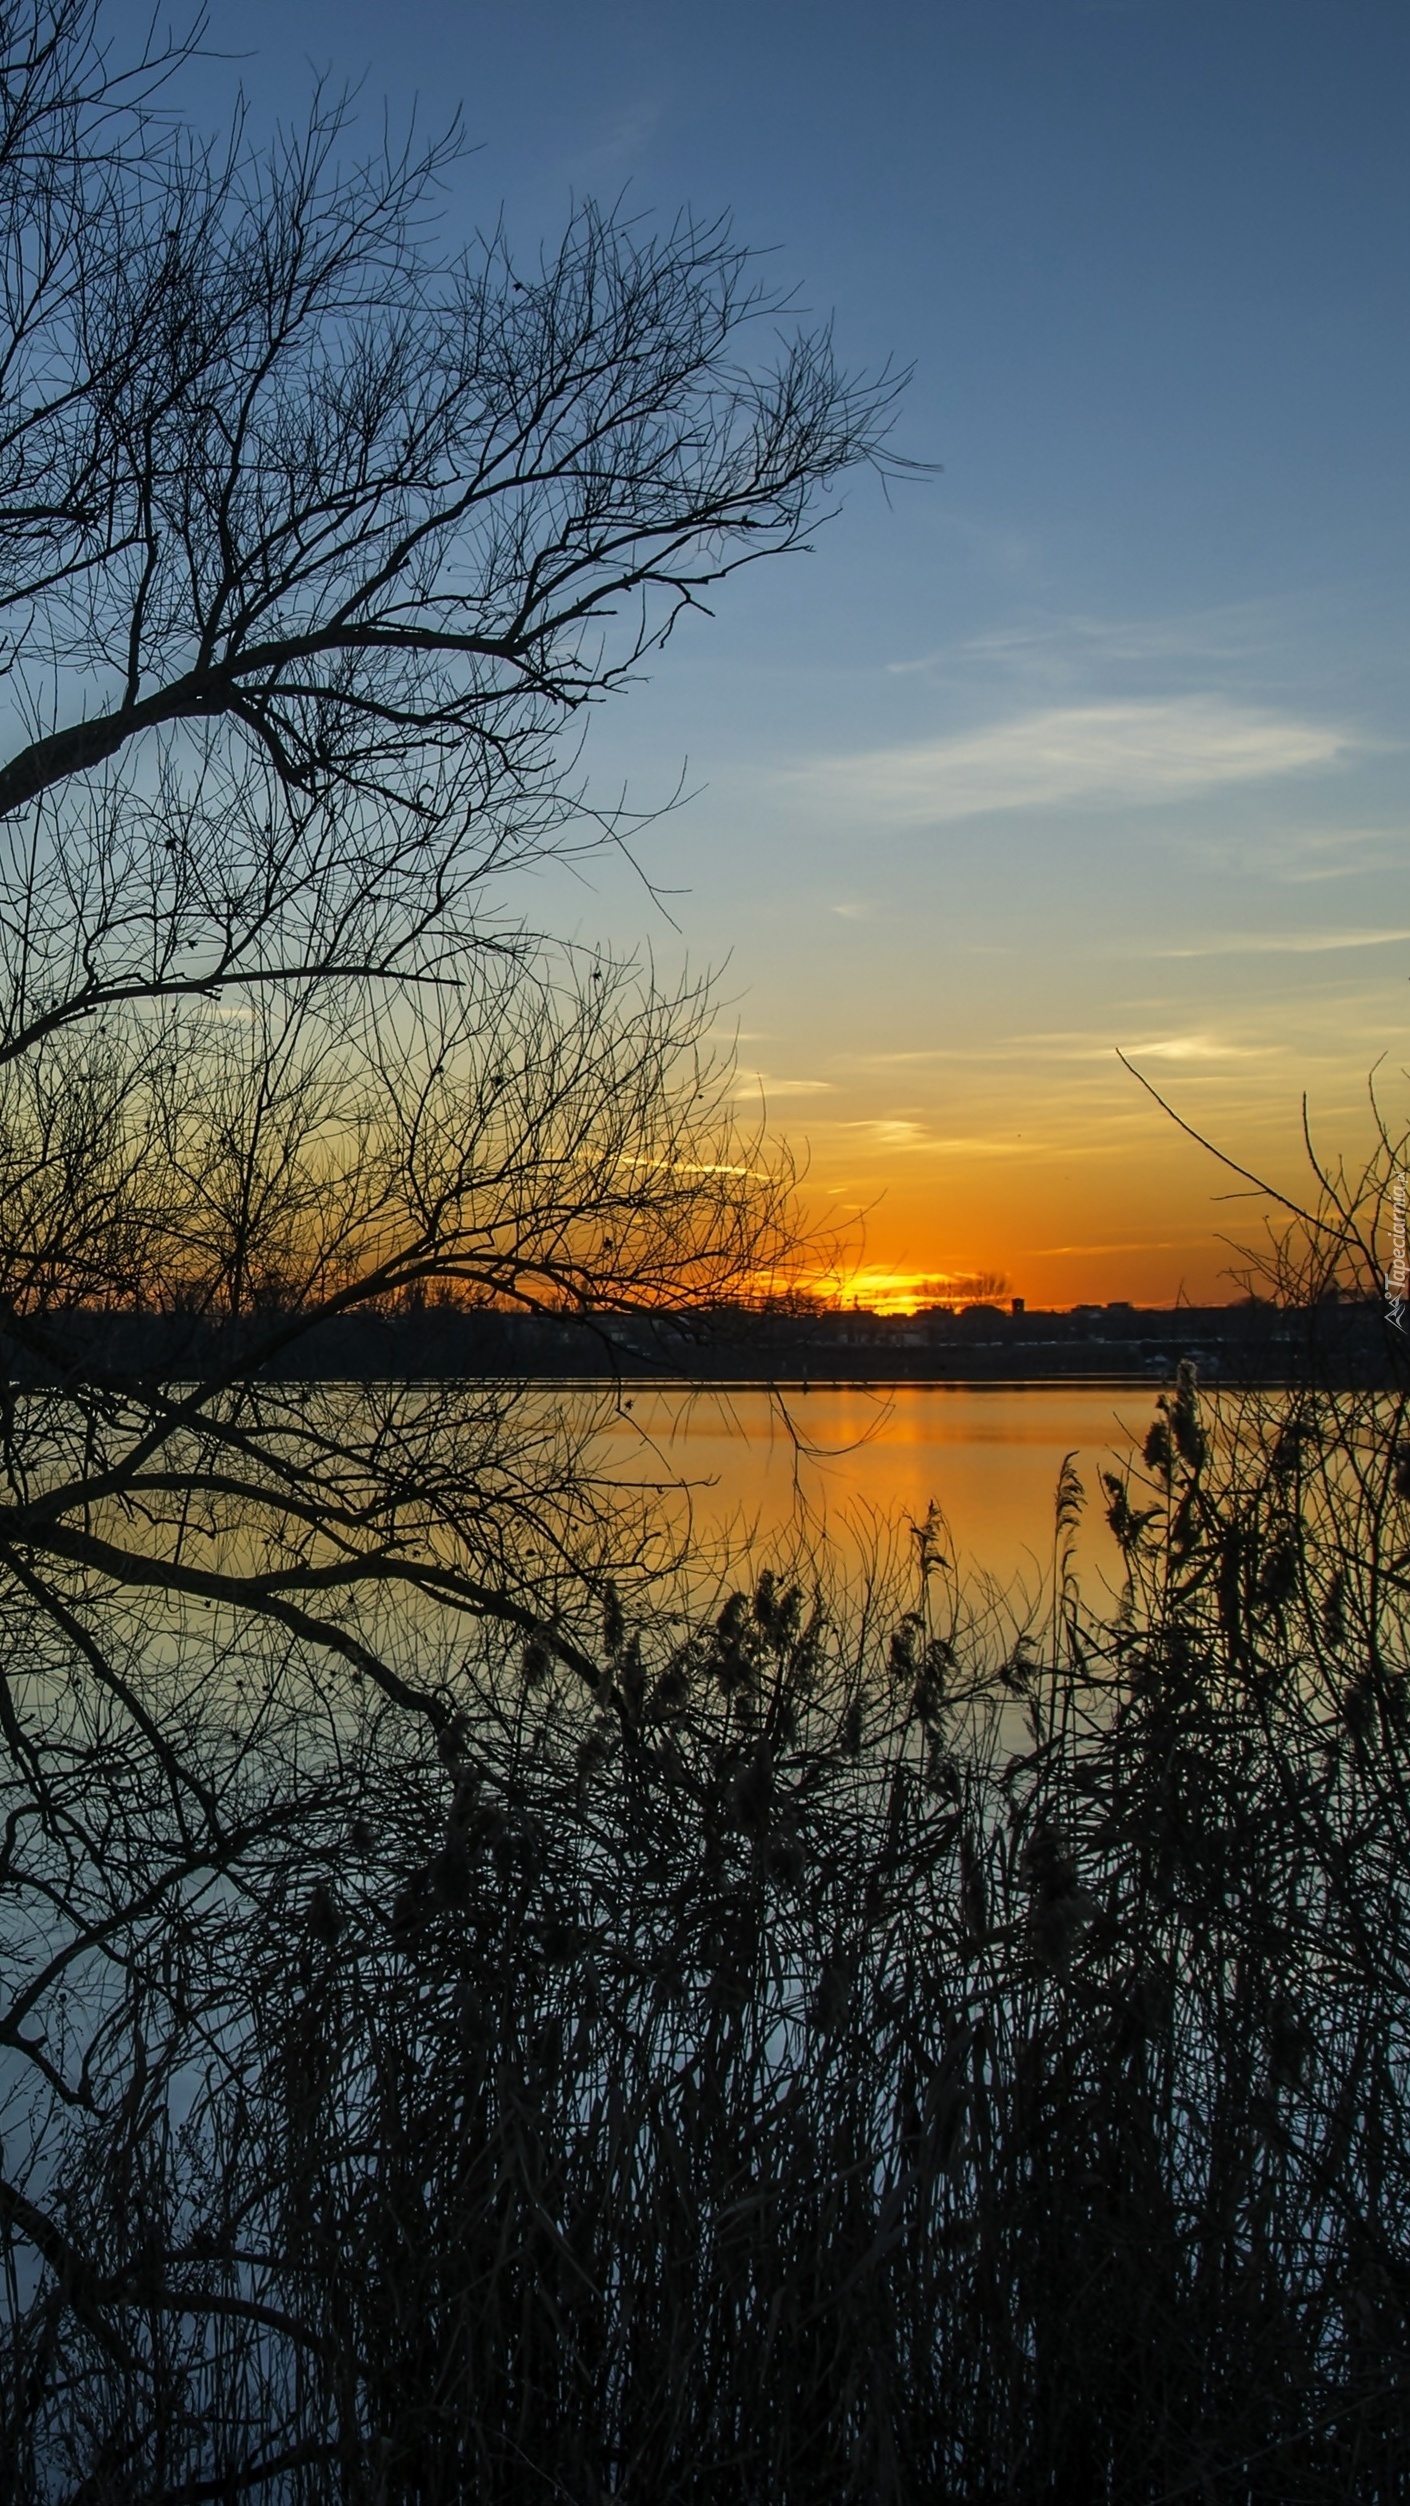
(860,2051)
(471,2024)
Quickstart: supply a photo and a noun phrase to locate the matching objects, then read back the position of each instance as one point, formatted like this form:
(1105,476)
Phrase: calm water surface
(841,1458)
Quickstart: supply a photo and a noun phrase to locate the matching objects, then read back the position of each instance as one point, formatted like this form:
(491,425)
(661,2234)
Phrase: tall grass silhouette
(867,2051)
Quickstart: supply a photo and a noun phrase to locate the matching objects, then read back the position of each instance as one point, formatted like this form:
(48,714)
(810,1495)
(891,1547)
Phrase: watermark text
(1395,1276)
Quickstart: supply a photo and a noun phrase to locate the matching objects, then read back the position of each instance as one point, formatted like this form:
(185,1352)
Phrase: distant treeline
(1253,1343)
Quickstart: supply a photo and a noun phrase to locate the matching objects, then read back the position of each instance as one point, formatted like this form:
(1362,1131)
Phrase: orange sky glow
(1104,1199)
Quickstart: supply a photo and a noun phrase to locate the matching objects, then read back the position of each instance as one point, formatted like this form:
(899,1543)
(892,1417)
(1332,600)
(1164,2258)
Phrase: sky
(1091,737)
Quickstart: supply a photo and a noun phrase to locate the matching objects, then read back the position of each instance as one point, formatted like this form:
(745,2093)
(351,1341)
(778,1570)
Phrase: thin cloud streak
(759,1083)
(1281,943)
(1202,1048)
(1053,645)
(1134,1244)
(1136,755)
(1060,1045)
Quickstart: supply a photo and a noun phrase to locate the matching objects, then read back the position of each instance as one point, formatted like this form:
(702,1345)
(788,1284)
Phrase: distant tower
(1016,1305)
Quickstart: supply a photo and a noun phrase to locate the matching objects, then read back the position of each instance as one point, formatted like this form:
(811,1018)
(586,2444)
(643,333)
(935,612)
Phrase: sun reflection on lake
(844,1459)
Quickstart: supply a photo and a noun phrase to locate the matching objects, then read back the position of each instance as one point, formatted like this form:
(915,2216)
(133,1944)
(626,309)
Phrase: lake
(840,1459)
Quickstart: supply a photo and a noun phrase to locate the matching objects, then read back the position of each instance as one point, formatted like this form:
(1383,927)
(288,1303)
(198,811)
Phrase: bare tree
(319,536)
(315,536)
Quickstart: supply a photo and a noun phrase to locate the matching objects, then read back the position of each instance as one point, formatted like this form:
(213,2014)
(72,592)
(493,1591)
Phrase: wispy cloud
(1298,856)
(1047,645)
(1200,1048)
(1040,1049)
(1129,754)
(618,141)
(1281,943)
(1135,1244)
(902,1134)
(762,1083)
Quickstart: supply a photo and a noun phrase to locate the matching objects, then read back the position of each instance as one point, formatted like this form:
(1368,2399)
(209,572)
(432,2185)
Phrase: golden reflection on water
(843,1459)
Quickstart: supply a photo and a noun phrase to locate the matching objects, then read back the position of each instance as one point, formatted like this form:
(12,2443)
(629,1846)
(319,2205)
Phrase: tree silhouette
(316,534)
(320,531)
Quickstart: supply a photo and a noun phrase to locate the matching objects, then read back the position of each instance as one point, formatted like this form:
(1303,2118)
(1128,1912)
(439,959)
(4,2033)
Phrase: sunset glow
(877,1290)
(1090,735)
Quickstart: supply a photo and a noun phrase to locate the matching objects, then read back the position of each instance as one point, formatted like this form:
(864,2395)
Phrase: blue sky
(1094,736)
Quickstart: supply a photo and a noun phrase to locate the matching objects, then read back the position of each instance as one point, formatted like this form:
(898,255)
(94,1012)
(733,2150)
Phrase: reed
(870,2051)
